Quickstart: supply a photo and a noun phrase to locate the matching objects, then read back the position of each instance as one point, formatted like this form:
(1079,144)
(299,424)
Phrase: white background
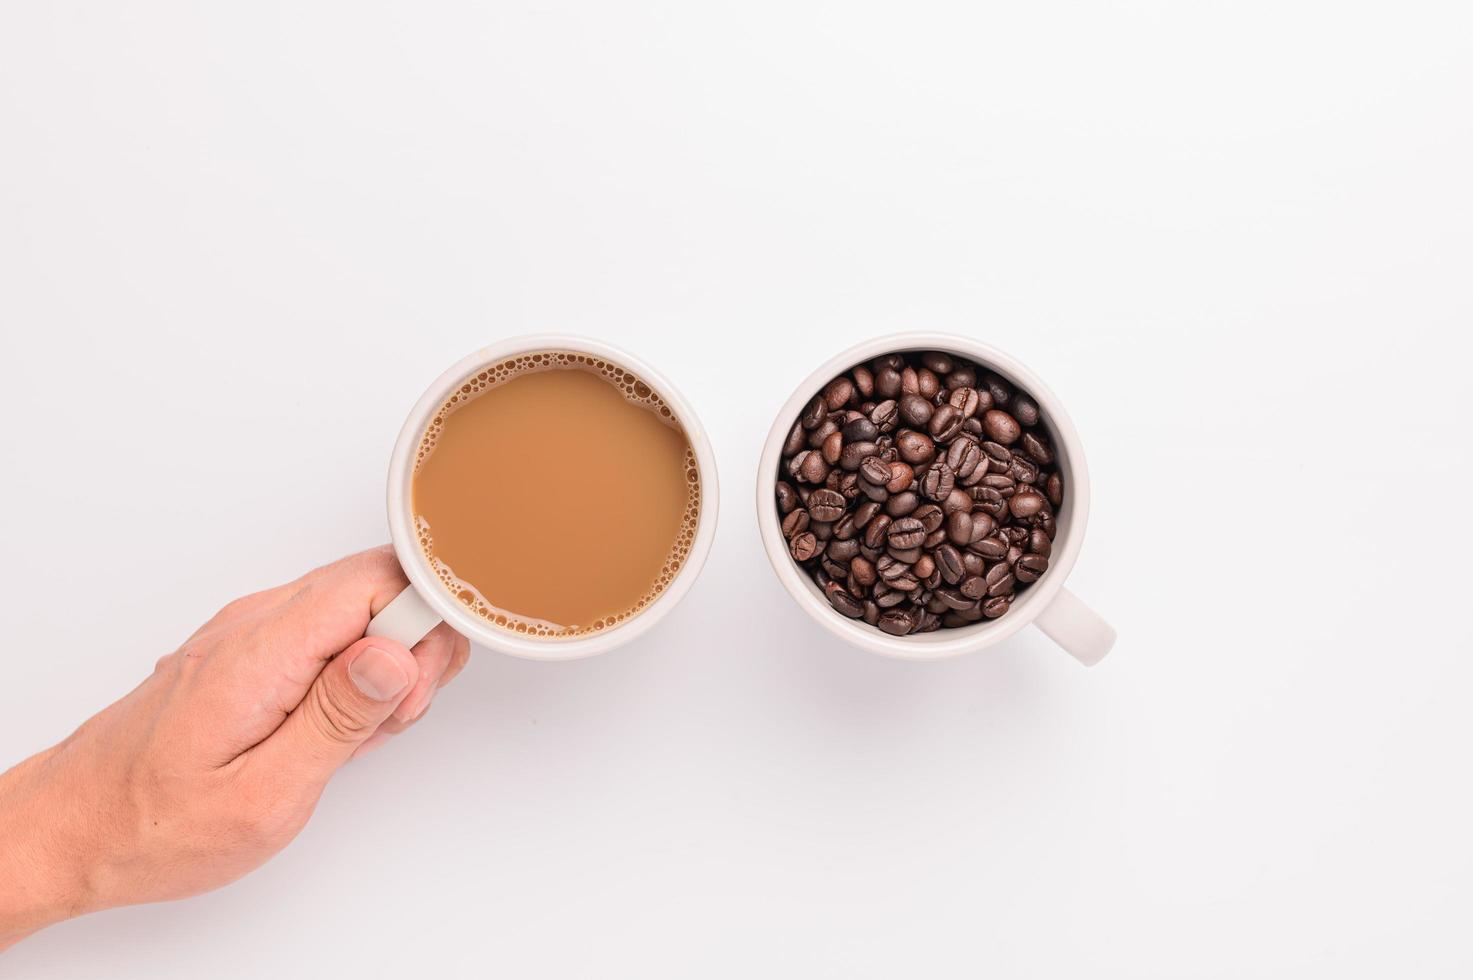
(237,240)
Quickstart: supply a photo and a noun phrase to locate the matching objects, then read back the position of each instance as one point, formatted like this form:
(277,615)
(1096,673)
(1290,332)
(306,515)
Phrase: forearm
(43,876)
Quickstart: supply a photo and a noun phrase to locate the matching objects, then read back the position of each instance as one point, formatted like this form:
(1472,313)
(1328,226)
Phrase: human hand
(215,761)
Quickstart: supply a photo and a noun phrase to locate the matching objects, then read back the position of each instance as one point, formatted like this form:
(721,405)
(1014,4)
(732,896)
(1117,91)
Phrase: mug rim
(416,566)
(939,644)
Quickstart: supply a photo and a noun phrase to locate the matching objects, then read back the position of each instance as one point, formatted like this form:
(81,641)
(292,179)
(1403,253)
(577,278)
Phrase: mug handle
(405,620)
(1075,627)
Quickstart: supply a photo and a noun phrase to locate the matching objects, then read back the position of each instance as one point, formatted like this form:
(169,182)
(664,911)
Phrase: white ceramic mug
(1055,610)
(426,603)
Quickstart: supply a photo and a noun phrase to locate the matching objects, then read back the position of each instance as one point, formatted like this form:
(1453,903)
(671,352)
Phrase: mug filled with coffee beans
(925,495)
(550,497)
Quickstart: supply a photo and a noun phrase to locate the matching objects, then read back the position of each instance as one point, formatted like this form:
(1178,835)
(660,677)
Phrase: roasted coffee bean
(845,529)
(905,582)
(938,362)
(832,446)
(865,513)
(797,439)
(787,497)
(963,456)
(1000,390)
(809,466)
(958,500)
(821,433)
(946,423)
(928,386)
(890,598)
(860,430)
(887,382)
(949,563)
(966,401)
(938,481)
(1030,567)
(838,392)
(930,516)
(841,600)
(954,598)
(1001,427)
(997,453)
(803,546)
(855,453)
(842,549)
(915,447)
(874,470)
(1000,482)
(959,528)
(813,413)
(907,532)
(1025,503)
(915,411)
(963,375)
(919,492)
(991,500)
(897,622)
(996,606)
(795,523)
(877,532)
(999,579)
(885,415)
(901,504)
(994,547)
(1023,470)
(973,587)
(1025,409)
(1037,449)
(901,477)
(907,557)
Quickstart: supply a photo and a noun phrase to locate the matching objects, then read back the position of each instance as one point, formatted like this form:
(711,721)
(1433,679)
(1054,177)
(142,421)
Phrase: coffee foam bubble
(634,390)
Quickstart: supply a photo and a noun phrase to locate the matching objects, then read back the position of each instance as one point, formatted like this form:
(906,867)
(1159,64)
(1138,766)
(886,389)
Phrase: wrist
(44,869)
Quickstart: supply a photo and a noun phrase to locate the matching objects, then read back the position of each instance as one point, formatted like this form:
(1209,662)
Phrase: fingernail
(377,674)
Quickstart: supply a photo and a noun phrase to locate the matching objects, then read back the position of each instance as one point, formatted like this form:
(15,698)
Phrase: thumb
(352,696)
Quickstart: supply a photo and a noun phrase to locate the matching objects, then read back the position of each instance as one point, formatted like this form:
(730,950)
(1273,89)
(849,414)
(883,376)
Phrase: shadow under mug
(1046,603)
(425,603)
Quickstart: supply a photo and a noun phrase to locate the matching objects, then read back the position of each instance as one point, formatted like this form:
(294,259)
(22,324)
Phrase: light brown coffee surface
(555,495)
